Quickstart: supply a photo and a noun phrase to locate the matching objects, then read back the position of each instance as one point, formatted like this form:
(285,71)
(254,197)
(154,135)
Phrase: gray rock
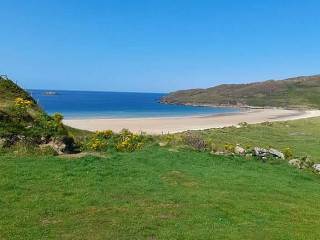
(239,150)
(249,155)
(57,144)
(276,153)
(295,162)
(299,134)
(316,167)
(260,152)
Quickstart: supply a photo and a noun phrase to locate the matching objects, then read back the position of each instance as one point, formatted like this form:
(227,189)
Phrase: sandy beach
(180,124)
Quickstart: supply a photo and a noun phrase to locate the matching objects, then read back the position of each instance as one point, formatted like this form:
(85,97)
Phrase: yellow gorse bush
(107,134)
(287,152)
(229,147)
(126,145)
(125,141)
(129,141)
(22,104)
(96,144)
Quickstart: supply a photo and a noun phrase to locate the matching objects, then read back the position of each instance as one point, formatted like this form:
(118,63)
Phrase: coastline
(181,124)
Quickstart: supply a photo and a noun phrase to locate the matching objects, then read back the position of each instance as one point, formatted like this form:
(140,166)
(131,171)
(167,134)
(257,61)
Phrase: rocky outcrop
(58,144)
(260,152)
(263,153)
(239,150)
(276,153)
(50,93)
(295,162)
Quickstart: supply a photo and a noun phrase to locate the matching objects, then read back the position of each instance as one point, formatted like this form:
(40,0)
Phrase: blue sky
(156,45)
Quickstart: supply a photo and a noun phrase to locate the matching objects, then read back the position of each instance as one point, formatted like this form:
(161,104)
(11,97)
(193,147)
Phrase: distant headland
(292,93)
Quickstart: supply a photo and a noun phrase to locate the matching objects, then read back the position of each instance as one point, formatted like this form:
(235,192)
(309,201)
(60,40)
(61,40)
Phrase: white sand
(180,124)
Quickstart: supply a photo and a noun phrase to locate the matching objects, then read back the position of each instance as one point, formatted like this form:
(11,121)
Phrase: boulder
(239,150)
(57,144)
(260,152)
(316,167)
(295,162)
(276,153)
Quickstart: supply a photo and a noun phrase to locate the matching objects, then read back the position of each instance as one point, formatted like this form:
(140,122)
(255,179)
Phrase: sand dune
(180,124)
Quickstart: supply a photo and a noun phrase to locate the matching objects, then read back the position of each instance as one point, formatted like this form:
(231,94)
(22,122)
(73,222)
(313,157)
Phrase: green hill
(9,91)
(26,124)
(298,92)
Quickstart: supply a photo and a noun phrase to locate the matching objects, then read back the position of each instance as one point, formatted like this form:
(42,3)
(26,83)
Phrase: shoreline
(180,124)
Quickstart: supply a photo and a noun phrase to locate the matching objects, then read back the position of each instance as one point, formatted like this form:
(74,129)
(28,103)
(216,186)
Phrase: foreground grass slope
(156,193)
(299,92)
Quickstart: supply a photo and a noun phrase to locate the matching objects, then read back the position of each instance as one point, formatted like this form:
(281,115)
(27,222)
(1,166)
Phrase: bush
(287,153)
(129,141)
(125,141)
(168,137)
(229,147)
(194,141)
(106,134)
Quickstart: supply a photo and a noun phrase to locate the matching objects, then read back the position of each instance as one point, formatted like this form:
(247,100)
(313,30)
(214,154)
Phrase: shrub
(96,144)
(194,141)
(229,147)
(21,105)
(287,152)
(209,143)
(106,134)
(125,141)
(129,141)
(20,109)
(248,146)
(168,137)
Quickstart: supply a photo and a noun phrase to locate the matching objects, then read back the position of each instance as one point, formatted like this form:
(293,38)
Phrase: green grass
(277,135)
(156,193)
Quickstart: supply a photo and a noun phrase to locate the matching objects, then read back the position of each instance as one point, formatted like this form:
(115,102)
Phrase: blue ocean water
(85,104)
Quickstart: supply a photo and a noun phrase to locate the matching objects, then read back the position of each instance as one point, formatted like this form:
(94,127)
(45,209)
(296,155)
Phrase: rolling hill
(299,92)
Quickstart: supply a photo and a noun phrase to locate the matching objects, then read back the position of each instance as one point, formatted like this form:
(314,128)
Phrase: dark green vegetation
(21,118)
(169,192)
(299,92)
(156,193)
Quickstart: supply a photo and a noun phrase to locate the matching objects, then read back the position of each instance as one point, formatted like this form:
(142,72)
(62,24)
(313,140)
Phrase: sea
(90,104)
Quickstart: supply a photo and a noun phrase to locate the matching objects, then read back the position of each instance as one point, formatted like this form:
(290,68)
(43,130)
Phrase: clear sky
(156,45)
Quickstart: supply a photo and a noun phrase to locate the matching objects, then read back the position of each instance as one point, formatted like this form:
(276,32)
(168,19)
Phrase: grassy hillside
(10,91)
(167,191)
(299,92)
(23,123)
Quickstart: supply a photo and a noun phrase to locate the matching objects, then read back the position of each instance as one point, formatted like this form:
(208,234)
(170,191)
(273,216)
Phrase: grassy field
(156,193)
(302,136)
(169,192)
